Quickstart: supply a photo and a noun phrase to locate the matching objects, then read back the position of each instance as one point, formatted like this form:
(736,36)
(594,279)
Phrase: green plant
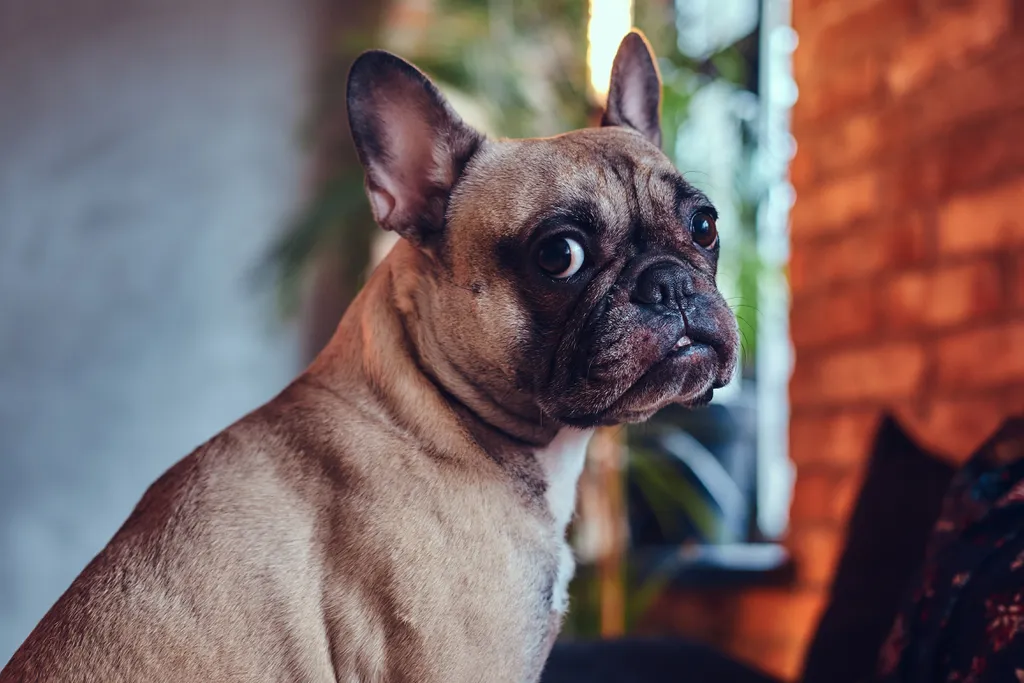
(668,493)
(520,64)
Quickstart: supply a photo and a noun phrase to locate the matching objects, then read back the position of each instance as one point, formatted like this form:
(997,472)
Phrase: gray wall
(147,157)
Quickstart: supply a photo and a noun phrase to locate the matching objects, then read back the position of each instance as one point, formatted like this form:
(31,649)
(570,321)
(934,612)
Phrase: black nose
(663,284)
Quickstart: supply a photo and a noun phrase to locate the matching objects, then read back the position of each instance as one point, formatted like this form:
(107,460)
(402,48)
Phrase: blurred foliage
(669,495)
(520,61)
(337,218)
(583,619)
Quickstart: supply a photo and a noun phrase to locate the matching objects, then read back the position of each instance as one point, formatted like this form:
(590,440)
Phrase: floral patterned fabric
(964,623)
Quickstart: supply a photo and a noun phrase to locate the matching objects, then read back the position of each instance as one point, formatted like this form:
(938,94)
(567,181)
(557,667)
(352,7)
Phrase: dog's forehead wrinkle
(608,170)
(620,168)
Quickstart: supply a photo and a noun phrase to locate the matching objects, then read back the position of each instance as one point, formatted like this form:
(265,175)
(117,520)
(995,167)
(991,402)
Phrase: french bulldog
(399,512)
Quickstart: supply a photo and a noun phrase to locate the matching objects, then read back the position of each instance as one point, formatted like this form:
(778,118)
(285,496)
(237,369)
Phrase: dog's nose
(663,284)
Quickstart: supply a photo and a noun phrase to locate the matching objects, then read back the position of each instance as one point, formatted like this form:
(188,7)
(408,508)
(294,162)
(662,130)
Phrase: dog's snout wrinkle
(686,322)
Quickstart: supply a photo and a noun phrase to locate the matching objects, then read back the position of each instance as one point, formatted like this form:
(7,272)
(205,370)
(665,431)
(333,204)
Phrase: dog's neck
(392,349)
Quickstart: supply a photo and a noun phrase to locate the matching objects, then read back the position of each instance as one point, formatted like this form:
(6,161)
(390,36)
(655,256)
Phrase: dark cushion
(644,661)
(898,505)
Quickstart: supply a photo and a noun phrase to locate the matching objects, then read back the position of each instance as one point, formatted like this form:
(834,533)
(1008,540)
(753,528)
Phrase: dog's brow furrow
(623,175)
(683,191)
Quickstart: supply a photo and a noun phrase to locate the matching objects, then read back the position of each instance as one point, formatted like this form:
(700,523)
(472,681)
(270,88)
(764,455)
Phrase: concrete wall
(147,157)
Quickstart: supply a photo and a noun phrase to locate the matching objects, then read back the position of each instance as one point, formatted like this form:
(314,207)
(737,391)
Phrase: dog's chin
(613,416)
(687,377)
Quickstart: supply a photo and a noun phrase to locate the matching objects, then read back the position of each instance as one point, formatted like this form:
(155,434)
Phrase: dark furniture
(644,661)
(897,506)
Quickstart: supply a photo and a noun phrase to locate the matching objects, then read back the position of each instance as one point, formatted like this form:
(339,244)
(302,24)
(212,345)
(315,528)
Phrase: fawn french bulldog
(398,513)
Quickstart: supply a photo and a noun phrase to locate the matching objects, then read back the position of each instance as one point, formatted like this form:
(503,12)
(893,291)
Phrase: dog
(399,512)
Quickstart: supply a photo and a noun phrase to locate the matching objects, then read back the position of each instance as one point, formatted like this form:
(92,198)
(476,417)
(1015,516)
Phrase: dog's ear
(634,95)
(410,141)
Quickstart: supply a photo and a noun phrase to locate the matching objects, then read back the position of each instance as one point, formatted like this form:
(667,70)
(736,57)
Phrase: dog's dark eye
(704,230)
(560,257)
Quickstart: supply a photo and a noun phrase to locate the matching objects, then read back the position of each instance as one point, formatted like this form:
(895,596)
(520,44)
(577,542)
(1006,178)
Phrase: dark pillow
(898,504)
(644,661)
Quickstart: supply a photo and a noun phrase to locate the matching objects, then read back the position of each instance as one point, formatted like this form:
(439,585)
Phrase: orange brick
(837,90)
(955,162)
(949,39)
(976,92)
(879,374)
(778,614)
(883,372)
(802,172)
(835,205)
(857,29)
(811,17)
(847,142)
(954,427)
(987,220)
(842,440)
(825,14)
(834,316)
(823,497)
(816,552)
(781,659)
(859,253)
(946,296)
(803,58)
(917,175)
(1017,288)
(975,153)
(989,357)
(929,8)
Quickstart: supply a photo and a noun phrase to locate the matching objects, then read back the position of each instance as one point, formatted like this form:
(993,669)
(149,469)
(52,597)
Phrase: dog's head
(577,270)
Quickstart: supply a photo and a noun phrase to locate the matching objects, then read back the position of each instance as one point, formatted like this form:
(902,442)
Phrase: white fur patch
(562,462)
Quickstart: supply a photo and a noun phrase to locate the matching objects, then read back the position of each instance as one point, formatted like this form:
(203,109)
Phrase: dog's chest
(562,463)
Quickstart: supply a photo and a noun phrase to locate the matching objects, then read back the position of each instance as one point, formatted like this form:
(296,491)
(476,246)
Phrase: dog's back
(172,596)
(271,554)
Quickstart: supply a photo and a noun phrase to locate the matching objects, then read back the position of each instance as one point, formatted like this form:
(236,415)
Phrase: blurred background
(182,224)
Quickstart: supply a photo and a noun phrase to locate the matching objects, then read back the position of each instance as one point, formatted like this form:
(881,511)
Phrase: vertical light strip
(609,21)
(775,473)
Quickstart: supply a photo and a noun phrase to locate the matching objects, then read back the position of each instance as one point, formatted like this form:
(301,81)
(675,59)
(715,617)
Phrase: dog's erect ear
(634,95)
(410,141)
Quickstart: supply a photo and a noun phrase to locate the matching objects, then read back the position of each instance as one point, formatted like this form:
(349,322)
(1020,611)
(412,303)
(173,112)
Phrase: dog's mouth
(686,373)
(629,361)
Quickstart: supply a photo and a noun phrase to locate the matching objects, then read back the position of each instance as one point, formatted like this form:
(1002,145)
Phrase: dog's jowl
(398,513)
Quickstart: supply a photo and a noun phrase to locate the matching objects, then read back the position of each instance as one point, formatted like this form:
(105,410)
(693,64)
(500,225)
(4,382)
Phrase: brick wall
(908,242)
(907,269)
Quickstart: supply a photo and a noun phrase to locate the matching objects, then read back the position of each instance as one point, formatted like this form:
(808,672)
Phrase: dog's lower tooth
(683,341)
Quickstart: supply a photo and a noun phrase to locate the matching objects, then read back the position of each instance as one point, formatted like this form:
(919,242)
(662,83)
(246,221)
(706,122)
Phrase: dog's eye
(704,230)
(560,257)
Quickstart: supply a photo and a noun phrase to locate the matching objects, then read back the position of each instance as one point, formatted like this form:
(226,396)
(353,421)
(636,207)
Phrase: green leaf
(669,492)
(340,203)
